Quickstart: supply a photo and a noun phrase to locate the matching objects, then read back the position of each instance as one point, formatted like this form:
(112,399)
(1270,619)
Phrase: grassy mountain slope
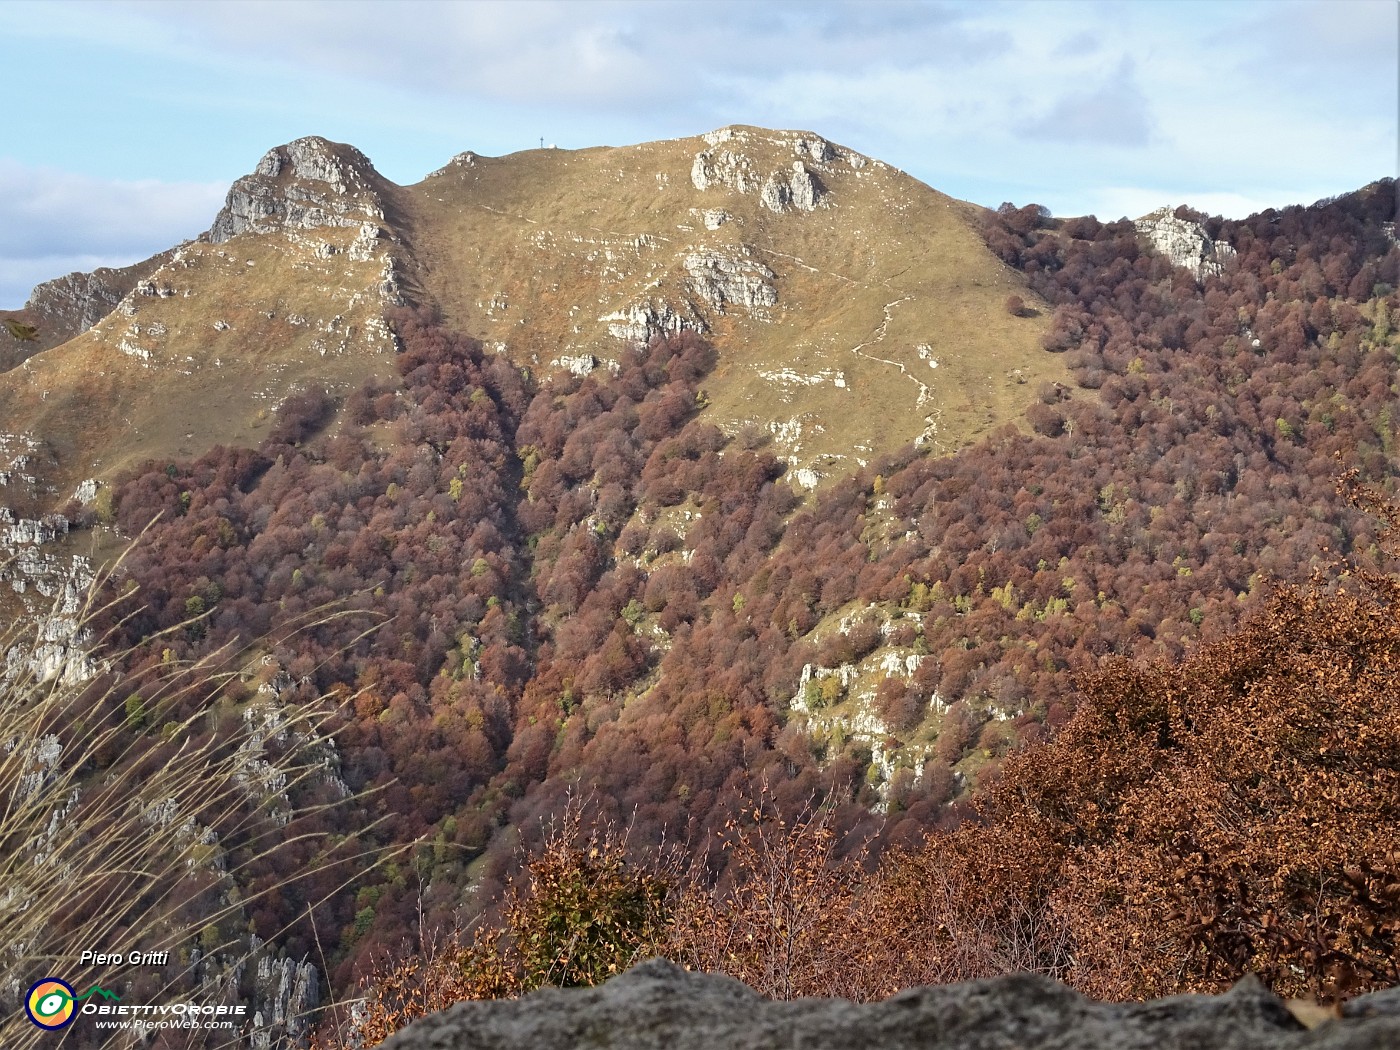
(855,310)
(583,585)
(872,318)
(224,333)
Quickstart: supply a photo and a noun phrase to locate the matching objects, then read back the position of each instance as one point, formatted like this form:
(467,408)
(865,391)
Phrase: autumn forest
(575,640)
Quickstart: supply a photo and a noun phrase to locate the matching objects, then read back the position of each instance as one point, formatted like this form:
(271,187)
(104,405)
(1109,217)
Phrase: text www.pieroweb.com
(179,1016)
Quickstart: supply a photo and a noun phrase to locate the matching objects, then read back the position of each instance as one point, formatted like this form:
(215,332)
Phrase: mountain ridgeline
(674,475)
(869,310)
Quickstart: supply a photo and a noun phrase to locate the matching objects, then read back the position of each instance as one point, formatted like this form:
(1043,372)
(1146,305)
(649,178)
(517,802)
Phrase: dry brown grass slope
(229,331)
(855,308)
(870,317)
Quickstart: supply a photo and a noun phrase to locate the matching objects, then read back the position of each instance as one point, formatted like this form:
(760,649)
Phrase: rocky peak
(344,167)
(304,185)
(465,159)
(1184,242)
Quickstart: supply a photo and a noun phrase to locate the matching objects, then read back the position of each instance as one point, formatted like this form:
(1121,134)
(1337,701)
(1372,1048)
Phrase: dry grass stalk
(110,837)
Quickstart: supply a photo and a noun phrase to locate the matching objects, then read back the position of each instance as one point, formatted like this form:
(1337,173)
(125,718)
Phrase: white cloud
(609,54)
(1114,112)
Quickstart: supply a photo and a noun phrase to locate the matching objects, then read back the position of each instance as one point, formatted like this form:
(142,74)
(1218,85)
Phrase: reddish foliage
(579,581)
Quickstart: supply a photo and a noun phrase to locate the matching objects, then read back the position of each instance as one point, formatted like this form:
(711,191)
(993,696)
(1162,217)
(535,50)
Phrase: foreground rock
(658,1006)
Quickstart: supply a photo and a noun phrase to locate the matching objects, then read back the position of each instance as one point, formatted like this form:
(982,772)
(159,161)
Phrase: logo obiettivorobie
(52,1004)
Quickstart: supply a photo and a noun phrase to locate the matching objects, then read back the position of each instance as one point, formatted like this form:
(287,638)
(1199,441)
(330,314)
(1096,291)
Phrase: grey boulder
(658,1006)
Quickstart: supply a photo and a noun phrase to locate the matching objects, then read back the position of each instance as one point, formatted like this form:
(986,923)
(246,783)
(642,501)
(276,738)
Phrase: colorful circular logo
(49,1003)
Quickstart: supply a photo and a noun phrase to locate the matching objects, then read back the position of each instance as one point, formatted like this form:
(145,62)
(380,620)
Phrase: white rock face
(775,195)
(815,147)
(788,432)
(366,242)
(14,531)
(149,287)
(53,588)
(59,649)
(286,994)
(642,320)
(579,365)
(893,663)
(724,280)
(724,169)
(292,996)
(1185,243)
(798,189)
(304,185)
(40,761)
(714,138)
(789,377)
(465,159)
(806,190)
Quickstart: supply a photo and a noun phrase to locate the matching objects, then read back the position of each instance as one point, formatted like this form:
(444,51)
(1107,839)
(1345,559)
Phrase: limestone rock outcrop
(50,587)
(726,280)
(68,306)
(1185,243)
(639,321)
(658,1006)
(281,993)
(305,185)
(286,994)
(782,190)
(723,168)
(797,188)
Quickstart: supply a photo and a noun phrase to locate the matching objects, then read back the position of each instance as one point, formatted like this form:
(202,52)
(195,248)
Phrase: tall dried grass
(113,838)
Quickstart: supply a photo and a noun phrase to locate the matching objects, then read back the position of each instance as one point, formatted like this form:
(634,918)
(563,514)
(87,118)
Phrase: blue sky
(125,121)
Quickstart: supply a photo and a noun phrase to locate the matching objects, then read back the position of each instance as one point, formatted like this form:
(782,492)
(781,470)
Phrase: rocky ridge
(287,289)
(801,258)
(658,1006)
(66,307)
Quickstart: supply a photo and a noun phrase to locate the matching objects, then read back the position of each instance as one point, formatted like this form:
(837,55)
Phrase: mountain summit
(307,184)
(855,308)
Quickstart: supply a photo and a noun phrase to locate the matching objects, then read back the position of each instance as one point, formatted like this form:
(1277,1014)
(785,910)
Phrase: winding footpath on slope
(805,265)
(880,332)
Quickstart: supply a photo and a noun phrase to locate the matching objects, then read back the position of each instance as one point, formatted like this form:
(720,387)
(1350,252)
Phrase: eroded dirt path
(880,332)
